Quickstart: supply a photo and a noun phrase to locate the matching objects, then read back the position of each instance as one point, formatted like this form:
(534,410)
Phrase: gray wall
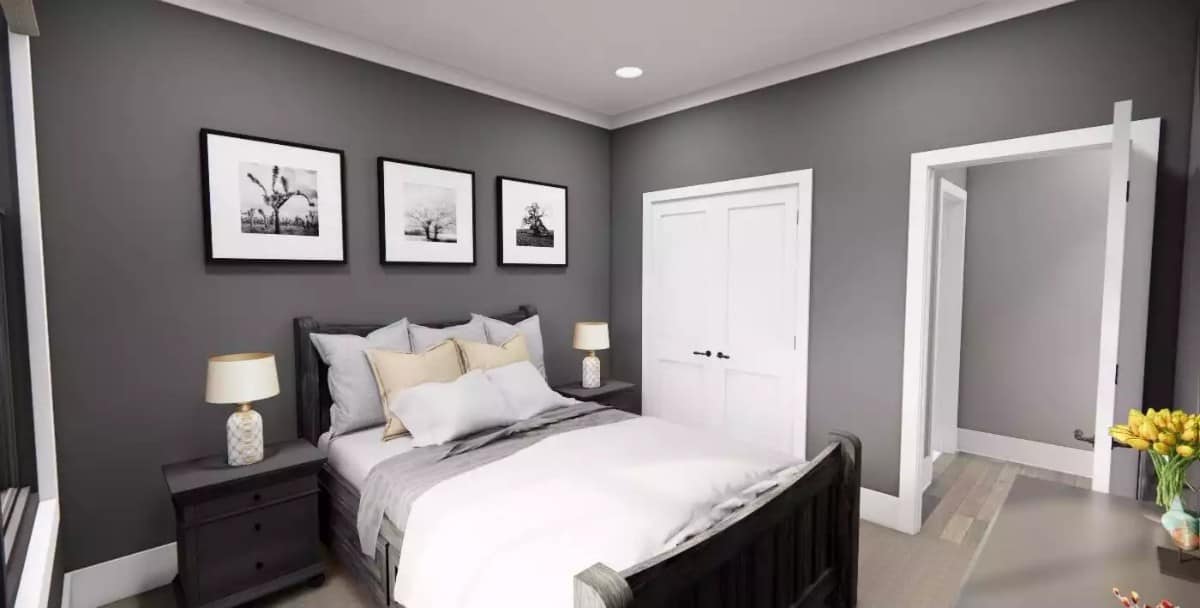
(122,89)
(1187,385)
(857,126)
(1031,296)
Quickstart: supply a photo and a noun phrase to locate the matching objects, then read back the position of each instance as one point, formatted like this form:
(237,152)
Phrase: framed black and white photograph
(427,213)
(531,223)
(271,201)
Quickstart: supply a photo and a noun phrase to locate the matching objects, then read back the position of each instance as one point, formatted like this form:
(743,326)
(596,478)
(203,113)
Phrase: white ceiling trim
(297,29)
(955,23)
(927,31)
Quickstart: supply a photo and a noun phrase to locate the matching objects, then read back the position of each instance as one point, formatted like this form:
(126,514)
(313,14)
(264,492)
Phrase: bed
(795,545)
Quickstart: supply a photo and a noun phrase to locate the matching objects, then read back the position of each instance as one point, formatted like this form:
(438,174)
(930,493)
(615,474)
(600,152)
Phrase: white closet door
(755,321)
(678,325)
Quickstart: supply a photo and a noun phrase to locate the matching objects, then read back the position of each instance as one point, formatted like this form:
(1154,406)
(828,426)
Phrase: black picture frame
(206,202)
(381,194)
(500,179)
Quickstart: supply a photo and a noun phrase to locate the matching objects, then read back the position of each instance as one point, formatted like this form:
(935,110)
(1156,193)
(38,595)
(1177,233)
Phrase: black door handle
(721,355)
(705,353)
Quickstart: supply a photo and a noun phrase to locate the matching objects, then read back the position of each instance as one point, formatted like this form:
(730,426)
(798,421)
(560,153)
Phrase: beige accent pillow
(477,355)
(397,371)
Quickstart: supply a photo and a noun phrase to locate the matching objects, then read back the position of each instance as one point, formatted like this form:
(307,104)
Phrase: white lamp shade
(591,335)
(241,378)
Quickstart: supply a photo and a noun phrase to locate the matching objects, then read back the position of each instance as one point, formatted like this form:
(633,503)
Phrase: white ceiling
(560,55)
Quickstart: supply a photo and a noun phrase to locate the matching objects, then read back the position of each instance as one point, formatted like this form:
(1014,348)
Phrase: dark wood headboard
(312,384)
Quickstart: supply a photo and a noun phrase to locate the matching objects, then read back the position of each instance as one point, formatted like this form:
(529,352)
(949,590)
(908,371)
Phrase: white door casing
(1125,297)
(948,308)
(725,293)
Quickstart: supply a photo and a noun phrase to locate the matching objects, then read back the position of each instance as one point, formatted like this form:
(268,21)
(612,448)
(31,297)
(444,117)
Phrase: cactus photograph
(278,200)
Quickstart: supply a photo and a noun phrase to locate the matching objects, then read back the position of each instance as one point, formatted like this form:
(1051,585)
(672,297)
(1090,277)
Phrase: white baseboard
(1023,451)
(119,578)
(879,508)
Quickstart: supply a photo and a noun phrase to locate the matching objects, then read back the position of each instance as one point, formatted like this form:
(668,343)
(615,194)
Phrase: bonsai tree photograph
(278,200)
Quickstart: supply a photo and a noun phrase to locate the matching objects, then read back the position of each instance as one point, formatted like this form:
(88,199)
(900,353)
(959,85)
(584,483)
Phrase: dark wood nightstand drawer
(255,547)
(237,502)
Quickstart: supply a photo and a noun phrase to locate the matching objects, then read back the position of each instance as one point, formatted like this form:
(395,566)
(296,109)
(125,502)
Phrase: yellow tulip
(1186,451)
(1147,431)
(1135,419)
(1189,435)
(1167,438)
(1162,448)
(1138,443)
(1121,434)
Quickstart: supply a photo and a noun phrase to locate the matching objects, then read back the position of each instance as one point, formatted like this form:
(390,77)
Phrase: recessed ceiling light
(629,71)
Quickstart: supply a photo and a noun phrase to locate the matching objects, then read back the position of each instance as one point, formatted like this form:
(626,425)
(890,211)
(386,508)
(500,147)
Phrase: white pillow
(499,332)
(351,384)
(437,412)
(525,389)
(423,338)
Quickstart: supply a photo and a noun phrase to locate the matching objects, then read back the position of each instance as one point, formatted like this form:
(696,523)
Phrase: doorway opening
(1026,343)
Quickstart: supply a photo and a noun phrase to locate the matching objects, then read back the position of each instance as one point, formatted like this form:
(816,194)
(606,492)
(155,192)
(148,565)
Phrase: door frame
(802,180)
(948,443)
(918,292)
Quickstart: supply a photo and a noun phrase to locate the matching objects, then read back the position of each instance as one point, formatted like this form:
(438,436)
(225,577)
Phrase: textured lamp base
(591,371)
(244,437)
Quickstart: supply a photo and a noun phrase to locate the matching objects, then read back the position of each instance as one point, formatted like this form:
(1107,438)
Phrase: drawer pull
(257,527)
(258,565)
(257,497)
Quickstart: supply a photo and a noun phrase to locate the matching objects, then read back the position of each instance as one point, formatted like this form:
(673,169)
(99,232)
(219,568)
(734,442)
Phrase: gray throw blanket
(394,485)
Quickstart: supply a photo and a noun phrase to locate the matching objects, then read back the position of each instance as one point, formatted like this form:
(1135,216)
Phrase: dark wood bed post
(793,547)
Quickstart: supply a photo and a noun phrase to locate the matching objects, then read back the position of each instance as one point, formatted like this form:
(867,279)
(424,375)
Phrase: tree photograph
(533,231)
(429,213)
(278,200)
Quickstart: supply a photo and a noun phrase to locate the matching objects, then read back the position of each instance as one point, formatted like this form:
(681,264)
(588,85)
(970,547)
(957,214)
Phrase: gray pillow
(352,385)
(499,332)
(424,338)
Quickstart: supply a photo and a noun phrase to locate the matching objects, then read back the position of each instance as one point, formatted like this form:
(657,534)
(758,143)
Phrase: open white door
(1110,303)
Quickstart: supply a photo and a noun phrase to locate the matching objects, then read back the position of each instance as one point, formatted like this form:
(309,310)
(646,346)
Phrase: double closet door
(724,308)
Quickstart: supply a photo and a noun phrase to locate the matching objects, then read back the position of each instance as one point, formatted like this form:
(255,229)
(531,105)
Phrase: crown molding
(316,35)
(926,31)
(978,16)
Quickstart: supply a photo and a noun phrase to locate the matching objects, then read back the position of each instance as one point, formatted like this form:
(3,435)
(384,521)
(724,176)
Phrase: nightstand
(244,532)
(613,393)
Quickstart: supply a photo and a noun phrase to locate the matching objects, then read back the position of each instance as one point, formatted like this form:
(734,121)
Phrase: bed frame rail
(794,547)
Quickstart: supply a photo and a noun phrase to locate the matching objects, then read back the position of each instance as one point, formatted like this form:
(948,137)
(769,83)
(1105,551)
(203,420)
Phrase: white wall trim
(1023,451)
(328,38)
(119,578)
(878,508)
(29,197)
(957,22)
(927,31)
(37,574)
(914,393)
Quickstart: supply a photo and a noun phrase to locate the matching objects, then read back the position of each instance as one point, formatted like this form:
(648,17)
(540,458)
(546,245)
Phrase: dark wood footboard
(794,547)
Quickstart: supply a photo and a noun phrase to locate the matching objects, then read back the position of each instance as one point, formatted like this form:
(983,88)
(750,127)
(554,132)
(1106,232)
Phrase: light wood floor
(927,570)
(895,570)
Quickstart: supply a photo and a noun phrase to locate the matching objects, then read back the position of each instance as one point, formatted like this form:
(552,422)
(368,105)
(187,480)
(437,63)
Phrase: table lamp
(240,379)
(591,336)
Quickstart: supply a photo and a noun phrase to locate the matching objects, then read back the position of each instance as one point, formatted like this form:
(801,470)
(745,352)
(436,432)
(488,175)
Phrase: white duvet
(515,532)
